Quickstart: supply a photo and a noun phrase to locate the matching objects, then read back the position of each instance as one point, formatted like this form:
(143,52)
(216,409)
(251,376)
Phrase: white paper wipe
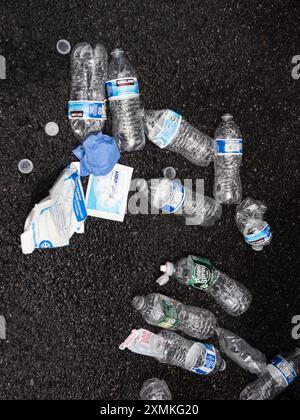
(107,195)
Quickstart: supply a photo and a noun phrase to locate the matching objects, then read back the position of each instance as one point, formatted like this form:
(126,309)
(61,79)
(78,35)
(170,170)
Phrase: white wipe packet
(53,222)
(107,195)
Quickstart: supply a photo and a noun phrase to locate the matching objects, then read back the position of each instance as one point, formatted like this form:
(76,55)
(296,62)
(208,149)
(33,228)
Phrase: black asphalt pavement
(67,310)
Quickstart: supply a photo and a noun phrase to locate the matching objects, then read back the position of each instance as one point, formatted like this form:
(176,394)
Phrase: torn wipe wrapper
(53,222)
(107,195)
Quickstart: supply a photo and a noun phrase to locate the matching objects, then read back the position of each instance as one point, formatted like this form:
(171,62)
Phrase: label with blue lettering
(79,201)
(284,368)
(229,147)
(261,237)
(171,123)
(87,110)
(125,87)
(210,361)
(175,200)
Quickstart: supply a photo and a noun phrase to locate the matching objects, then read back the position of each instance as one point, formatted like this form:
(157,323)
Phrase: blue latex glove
(98,155)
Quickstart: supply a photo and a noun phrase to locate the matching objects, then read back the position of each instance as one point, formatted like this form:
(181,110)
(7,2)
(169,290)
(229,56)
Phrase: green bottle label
(171,319)
(203,274)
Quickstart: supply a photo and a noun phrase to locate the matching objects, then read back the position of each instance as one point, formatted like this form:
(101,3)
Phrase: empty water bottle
(238,350)
(199,273)
(155,390)
(169,130)
(87,105)
(171,197)
(228,159)
(250,221)
(164,312)
(168,347)
(125,105)
(278,376)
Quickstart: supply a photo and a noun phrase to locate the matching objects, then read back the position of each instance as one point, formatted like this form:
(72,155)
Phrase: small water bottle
(167,313)
(155,390)
(199,273)
(87,105)
(125,105)
(278,376)
(171,197)
(170,131)
(250,221)
(172,349)
(228,160)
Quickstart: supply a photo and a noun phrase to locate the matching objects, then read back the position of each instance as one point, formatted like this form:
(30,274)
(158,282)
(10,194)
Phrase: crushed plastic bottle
(164,312)
(155,390)
(170,131)
(172,349)
(228,160)
(199,273)
(238,350)
(125,105)
(171,197)
(87,105)
(278,376)
(250,221)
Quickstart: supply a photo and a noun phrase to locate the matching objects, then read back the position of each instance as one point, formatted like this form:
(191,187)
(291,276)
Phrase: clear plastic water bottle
(167,313)
(171,197)
(244,355)
(278,376)
(199,273)
(169,130)
(228,160)
(125,105)
(250,221)
(155,390)
(87,105)
(168,347)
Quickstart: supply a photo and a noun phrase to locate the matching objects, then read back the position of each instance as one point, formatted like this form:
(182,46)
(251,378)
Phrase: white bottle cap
(169,173)
(63,46)
(52,129)
(25,166)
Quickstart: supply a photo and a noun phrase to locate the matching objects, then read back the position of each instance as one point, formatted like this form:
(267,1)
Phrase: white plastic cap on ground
(25,166)
(52,129)
(63,46)
(169,270)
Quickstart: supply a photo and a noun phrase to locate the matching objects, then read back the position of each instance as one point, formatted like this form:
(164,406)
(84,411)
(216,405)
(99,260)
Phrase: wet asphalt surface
(67,310)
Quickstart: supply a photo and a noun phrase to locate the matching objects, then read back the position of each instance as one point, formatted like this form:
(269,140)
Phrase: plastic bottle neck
(118,53)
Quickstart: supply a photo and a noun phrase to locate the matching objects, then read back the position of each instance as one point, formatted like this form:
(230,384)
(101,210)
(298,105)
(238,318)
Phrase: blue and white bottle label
(261,237)
(229,147)
(87,110)
(210,361)
(284,369)
(176,198)
(172,122)
(125,87)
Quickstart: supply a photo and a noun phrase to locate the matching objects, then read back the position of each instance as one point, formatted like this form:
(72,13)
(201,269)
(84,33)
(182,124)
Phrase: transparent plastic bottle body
(89,74)
(171,197)
(250,221)
(170,131)
(164,312)
(197,272)
(228,160)
(125,104)
(244,355)
(170,348)
(155,390)
(278,376)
